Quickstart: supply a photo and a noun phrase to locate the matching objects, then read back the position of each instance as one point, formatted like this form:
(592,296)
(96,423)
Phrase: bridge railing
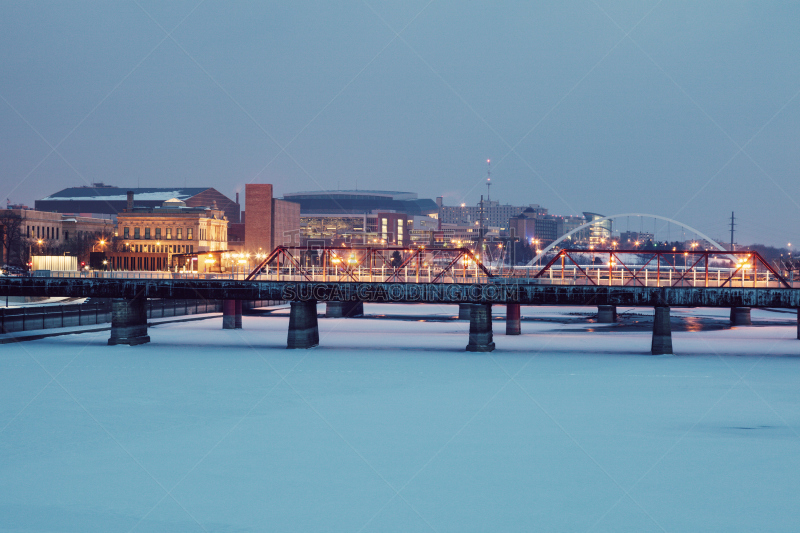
(590,275)
(636,276)
(317,274)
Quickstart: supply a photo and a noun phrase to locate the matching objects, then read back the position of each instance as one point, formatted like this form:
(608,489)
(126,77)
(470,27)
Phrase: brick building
(268,221)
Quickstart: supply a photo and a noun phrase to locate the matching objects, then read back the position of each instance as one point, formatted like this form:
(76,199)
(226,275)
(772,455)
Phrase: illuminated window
(169,234)
(189,233)
(179,234)
(400,232)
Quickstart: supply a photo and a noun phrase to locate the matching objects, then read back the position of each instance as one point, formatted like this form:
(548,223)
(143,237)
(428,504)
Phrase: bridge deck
(494,293)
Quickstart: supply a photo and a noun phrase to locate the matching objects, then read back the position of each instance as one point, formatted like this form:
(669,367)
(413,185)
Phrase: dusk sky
(687,110)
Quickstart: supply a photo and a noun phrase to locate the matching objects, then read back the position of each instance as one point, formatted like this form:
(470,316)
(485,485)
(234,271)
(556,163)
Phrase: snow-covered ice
(390,425)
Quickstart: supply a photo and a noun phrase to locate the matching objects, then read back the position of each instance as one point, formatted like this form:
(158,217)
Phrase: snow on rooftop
(391,426)
(120,194)
(157,196)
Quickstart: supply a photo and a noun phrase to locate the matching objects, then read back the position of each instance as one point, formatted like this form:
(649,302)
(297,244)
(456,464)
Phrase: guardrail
(570,276)
(31,318)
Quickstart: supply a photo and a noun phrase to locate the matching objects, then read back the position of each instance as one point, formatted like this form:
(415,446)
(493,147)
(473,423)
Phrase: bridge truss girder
(339,264)
(692,263)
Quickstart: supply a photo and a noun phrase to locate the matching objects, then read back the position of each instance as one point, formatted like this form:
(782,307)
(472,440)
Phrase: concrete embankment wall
(99,312)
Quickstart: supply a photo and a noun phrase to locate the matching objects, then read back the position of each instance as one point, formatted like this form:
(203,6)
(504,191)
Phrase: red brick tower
(258,223)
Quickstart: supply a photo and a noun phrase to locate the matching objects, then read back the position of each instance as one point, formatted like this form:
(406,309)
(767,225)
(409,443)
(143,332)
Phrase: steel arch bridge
(612,217)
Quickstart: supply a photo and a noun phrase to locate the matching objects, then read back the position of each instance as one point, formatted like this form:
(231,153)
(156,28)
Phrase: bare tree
(11,234)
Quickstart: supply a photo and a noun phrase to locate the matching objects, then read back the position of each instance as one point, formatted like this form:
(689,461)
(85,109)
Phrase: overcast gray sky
(682,109)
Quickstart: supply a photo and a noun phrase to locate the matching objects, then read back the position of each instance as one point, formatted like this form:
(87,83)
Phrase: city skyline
(684,111)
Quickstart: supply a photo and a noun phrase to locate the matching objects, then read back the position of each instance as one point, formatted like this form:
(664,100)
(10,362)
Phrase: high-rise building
(632,239)
(493,213)
(600,231)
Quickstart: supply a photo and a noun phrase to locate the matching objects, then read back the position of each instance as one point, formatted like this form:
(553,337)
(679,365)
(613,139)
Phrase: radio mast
(488,179)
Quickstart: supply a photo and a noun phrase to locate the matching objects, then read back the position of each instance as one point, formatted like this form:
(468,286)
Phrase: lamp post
(535,243)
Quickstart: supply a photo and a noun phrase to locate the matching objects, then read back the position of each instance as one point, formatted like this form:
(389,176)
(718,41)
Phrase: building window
(189,233)
(126,232)
(137,233)
(66,235)
(169,234)
(400,232)
(146,233)
(158,234)
(179,234)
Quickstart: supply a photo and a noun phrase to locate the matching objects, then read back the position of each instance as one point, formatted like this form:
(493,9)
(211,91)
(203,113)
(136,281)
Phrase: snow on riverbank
(391,426)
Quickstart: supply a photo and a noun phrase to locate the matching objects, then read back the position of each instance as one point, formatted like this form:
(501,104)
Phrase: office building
(493,213)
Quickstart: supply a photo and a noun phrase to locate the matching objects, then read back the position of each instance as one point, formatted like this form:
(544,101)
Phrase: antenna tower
(732,225)
(488,179)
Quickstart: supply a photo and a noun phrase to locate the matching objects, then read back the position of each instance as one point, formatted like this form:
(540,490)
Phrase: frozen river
(390,425)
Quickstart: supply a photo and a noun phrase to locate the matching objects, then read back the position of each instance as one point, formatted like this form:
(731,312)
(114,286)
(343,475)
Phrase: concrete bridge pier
(303,329)
(480,328)
(343,309)
(463,311)
(606,314)
(513,319)
(662,332)
(228,314)
(740,316)
(128,321)
(237,315)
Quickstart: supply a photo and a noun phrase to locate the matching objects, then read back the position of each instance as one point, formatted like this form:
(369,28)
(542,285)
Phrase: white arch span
(611,217)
